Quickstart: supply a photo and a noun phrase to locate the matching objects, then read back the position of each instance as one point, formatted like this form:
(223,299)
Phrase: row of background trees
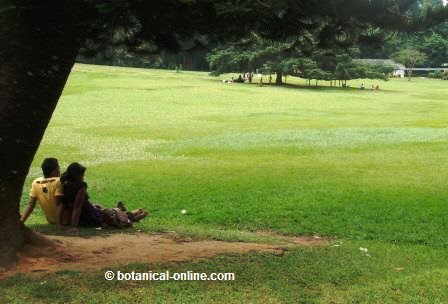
(297,56)
(428,48)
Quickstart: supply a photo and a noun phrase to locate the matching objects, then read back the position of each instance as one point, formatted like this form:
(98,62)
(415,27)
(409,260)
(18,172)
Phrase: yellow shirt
(45,191)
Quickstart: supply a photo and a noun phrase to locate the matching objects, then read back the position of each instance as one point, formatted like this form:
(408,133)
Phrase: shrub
(435,74)
(445,75)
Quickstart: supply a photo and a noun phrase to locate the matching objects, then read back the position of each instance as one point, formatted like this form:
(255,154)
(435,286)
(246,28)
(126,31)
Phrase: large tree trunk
(409,75)
(39,44)
(278,78)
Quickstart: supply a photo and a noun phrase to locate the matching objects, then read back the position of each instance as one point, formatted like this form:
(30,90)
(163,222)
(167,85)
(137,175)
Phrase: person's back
(47,191)
(71,189)
(76,198)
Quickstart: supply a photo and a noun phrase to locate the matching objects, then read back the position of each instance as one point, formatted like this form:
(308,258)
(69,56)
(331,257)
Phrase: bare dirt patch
(314,240)
(97,252)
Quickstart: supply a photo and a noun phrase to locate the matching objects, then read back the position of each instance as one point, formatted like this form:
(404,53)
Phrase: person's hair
(73,173)
(49,165)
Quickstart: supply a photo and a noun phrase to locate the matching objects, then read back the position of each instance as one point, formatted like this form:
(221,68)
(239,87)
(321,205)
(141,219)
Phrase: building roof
(388,62)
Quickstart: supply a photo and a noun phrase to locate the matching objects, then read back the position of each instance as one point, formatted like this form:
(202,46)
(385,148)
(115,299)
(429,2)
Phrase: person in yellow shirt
(49,192)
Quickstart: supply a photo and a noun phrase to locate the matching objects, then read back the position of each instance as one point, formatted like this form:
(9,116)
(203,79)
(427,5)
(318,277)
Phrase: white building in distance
(399,69)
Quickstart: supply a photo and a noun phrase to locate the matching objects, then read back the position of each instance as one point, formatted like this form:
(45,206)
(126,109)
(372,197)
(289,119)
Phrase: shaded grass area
(366,167)
(309,275)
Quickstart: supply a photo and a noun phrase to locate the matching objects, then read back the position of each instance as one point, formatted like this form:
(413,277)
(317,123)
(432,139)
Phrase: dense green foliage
(439,75)
(409,58)
(285,59)
(432,41)
(143,27)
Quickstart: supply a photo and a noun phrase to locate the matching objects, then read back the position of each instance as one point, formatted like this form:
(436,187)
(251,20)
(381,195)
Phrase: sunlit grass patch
(309,138)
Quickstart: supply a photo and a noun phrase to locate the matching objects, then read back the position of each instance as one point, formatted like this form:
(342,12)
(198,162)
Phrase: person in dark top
(86,214)
(77,199)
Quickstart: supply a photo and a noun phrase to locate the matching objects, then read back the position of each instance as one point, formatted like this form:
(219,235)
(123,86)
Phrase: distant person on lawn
(48,191)
(84,213)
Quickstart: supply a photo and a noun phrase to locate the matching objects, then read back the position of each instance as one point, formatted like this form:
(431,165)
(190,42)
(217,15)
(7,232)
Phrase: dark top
(90,215)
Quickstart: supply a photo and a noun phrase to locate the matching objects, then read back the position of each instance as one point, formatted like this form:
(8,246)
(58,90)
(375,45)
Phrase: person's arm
(77,206)
(58,195)
(29,209)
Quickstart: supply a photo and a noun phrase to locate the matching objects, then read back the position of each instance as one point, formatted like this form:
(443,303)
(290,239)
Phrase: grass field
(367,168)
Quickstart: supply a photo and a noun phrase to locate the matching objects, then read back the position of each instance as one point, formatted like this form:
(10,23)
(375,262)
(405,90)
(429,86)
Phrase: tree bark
(278,78)
(39,44)
(410,74)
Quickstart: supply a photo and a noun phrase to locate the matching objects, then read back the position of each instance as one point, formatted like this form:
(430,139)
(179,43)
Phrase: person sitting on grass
(48,191)
(86,214)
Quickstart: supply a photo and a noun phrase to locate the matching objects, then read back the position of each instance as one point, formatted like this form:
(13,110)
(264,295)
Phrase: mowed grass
(365,167)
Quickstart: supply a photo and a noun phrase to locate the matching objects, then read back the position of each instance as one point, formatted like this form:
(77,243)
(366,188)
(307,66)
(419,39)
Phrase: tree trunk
(37,53)
(278,78)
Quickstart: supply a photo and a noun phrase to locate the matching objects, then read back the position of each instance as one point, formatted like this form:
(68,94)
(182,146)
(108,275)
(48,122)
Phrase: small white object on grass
(183,211)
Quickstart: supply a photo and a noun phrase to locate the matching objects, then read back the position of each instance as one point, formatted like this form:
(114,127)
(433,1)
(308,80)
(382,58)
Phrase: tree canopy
(148,26)
(302,56)
(410,58)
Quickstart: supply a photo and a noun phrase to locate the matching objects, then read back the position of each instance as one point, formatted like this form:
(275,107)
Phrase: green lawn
(368,168)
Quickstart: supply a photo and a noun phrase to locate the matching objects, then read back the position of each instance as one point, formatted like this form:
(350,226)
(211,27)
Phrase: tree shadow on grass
(312,87)
(327,88)
(309,274)
(85,232)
